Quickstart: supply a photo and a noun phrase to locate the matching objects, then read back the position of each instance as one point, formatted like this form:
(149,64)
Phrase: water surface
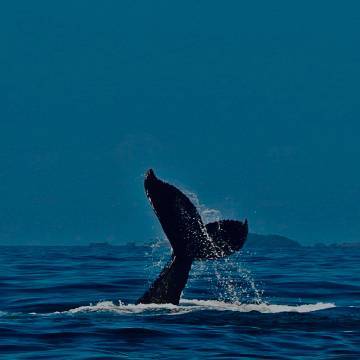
(78,303)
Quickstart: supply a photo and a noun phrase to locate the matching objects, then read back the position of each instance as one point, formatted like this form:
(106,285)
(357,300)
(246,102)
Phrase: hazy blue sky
(255,106)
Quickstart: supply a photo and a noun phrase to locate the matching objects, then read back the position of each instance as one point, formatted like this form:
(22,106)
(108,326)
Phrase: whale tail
(188,236)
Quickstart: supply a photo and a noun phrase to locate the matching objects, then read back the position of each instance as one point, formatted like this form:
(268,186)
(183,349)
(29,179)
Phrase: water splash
(194,305)
(159,255)
(207,214)
(222,272)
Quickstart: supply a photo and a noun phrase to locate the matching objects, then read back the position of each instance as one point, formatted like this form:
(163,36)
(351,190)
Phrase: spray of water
(159,254)
(223,275)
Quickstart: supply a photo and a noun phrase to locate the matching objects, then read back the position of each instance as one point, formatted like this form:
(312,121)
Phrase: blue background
(254,107)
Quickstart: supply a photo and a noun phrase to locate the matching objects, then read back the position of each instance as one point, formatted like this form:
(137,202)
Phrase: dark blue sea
(78,303)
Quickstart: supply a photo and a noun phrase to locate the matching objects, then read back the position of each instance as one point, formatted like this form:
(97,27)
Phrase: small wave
(122,308)
(262,307)
(187,306)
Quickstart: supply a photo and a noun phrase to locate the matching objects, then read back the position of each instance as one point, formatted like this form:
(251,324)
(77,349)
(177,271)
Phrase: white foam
(187,306)
(122,308)
(262,307)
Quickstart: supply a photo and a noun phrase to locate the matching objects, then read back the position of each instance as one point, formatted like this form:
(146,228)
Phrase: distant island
(102,244)
(274,241)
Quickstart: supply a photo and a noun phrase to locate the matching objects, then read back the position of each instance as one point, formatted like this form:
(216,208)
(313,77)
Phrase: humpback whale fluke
(189,237)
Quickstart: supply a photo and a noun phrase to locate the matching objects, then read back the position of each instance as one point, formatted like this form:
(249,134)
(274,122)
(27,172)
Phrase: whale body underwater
(189,237)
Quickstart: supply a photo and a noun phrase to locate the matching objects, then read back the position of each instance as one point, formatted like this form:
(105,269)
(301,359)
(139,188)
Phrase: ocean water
(78,303)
